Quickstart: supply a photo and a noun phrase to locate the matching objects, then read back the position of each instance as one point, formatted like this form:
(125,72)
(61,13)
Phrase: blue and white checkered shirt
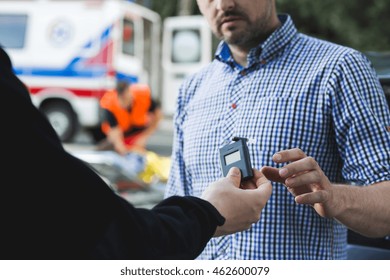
(297,91)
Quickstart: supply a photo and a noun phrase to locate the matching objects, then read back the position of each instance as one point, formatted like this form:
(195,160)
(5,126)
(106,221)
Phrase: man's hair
(121,87)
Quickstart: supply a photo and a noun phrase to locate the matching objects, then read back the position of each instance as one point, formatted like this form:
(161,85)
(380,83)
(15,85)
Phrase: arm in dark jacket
(54,206)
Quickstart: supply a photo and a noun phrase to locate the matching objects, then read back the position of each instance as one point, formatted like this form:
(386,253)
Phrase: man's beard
(237,38)
(256,32)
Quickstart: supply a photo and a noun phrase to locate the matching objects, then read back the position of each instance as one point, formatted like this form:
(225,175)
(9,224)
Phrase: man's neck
(239,54)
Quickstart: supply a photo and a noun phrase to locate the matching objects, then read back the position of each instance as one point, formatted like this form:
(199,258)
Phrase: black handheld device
(236,154)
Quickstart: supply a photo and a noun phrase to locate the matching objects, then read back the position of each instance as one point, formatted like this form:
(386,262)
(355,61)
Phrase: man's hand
(304,179)
(241,207)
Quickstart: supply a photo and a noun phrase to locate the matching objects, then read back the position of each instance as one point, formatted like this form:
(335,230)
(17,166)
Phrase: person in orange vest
(130,117)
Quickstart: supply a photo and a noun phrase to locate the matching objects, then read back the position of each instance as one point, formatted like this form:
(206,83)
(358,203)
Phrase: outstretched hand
(240,203)
(304,179)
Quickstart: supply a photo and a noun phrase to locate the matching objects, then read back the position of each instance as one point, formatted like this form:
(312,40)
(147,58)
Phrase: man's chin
(233,35)
(233,39)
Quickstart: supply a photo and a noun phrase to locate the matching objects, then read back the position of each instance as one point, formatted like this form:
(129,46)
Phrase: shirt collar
(266,50)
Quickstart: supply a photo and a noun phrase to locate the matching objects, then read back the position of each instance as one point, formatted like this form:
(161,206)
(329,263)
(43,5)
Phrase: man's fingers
(303,179)
(297,167)
(312,198)
(272,174)
(288,155)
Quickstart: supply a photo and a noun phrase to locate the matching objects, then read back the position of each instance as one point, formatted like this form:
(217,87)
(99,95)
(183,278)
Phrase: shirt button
(263,62)
(234,105)
(243,72)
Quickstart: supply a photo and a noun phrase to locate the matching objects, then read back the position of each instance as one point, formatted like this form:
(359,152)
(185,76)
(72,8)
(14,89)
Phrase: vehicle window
(12,30)
(128,37)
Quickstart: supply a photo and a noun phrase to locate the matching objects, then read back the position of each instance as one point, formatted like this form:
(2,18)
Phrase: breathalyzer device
(236,154)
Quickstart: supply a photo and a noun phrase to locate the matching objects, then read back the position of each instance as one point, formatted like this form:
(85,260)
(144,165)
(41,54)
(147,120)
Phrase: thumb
(272,174)
(234,175)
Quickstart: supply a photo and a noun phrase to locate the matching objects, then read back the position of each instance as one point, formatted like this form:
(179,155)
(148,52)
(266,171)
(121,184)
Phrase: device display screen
(233,157)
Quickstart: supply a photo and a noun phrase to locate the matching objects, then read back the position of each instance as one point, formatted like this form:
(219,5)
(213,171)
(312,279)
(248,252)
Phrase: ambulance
(68,53)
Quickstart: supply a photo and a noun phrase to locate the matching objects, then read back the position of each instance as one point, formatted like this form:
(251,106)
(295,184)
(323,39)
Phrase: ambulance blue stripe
(76,67)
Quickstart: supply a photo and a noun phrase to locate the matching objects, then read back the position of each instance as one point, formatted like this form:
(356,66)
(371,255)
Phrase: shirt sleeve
(361,115)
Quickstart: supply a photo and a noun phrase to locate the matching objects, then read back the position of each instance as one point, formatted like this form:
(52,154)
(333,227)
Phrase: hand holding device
(236,154)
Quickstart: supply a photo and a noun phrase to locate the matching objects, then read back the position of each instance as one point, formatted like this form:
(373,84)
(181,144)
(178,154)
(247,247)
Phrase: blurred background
(68,53)
(361,24)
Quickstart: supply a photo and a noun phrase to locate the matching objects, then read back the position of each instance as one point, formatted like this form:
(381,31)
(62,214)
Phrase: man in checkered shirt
(315,116)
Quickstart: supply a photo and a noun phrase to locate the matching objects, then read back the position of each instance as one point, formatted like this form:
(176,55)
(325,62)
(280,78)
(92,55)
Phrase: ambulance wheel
(62,118)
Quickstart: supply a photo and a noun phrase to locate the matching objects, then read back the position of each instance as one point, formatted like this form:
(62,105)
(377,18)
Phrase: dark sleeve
(54,206)
(154,105)
(177,228)
(109,117)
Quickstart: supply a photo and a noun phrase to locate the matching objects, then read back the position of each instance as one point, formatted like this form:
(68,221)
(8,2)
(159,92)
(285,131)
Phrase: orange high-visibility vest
(138,116)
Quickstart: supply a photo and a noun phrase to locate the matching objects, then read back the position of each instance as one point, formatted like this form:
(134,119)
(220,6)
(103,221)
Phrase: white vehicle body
(68,53)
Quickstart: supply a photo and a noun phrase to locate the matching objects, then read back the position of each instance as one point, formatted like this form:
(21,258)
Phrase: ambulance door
(137,59)
(187,46)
